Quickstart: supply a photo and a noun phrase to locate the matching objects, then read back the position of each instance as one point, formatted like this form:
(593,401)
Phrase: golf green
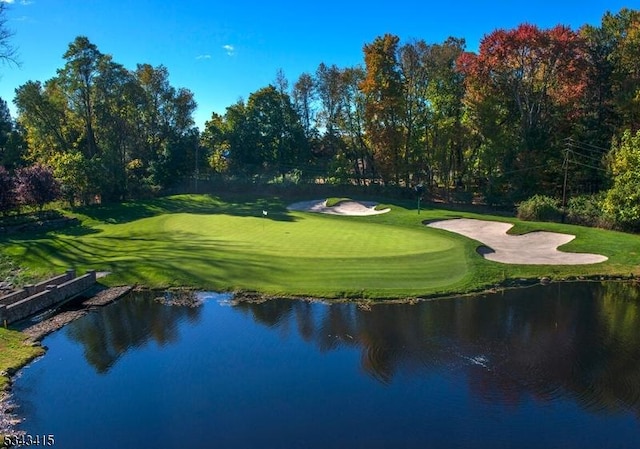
(285,253)
(206,242)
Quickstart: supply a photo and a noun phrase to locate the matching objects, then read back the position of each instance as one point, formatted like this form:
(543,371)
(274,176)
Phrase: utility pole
(582,154)
(565,166)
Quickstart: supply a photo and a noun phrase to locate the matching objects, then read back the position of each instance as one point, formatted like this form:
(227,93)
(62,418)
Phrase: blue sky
(223,51)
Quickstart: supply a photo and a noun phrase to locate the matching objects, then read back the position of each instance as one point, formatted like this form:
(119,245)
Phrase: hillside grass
(216,243)
(15,352)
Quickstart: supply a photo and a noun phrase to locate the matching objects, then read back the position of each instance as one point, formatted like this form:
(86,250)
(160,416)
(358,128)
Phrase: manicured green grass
(227,244)
(14,353)
(335,201)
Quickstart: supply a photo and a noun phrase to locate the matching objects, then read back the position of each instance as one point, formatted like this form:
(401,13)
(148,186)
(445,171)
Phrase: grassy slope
(210,243)
(14,353)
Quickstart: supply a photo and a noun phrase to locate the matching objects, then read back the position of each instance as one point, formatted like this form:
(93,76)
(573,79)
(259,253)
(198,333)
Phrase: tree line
(106,131)
(532,111)
(531,108)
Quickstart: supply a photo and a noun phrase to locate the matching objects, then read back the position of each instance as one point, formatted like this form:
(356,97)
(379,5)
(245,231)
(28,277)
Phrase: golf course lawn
(14,353)
(208,242)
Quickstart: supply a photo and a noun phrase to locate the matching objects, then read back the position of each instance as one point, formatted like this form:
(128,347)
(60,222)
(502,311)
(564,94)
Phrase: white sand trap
(534,248)
(350,208)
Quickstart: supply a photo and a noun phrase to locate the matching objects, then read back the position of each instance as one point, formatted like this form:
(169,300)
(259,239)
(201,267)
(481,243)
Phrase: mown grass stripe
(210,242)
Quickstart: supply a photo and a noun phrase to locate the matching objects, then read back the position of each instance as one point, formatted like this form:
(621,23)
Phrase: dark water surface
(543,367)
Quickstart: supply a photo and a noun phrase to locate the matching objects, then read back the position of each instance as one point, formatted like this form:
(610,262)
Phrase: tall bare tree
(8,53)
(304,92)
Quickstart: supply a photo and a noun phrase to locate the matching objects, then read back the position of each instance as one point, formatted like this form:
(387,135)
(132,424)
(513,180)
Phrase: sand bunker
(534,248)
(351,208)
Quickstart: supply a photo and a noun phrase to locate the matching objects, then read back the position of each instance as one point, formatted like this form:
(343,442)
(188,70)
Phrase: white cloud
(22,2)
(230,49)
(203,57)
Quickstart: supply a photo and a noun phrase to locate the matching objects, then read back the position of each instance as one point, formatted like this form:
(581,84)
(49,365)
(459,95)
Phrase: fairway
(206,242)
(291,252)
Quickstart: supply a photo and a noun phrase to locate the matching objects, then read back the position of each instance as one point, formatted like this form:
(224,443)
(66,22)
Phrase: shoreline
(34,334)
(507,284)
(38,331)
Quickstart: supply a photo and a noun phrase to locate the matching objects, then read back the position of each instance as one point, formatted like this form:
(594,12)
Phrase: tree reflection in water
(107,335)
(577,340)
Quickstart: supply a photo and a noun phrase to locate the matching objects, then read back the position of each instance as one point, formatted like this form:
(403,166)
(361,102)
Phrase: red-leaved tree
(523,92)
(36,185)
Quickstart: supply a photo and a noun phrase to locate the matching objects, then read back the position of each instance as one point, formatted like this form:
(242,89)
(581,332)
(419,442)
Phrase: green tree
(6,123)
(78,78)
(75,173)
(44,113)
(445,93)
(433,89)
(8,197)
(156,96)
(600,119)
(416,117)
(133,128)
(621,33)
(276,131)
(165,126)
(612,94)
(242,140)
(12,144)
(116,97)
(215,141)
(623,199)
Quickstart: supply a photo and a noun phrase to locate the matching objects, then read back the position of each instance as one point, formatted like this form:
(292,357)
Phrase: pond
(553,366)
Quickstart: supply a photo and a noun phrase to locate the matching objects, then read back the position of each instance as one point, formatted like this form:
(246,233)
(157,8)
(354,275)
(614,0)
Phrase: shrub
(587,210)
(76,175)
(623,199)
(36,185)
(540,208)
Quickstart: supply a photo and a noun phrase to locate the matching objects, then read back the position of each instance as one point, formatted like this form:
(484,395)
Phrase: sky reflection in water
(554,366)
